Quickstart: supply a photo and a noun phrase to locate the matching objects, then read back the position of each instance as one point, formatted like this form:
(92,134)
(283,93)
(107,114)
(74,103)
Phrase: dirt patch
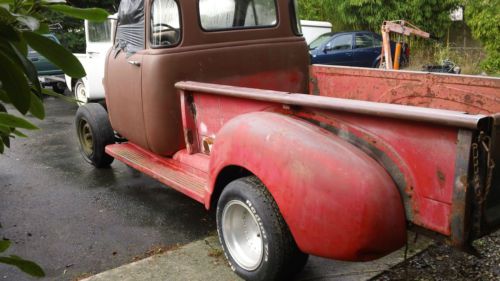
(156,250)
(442,262)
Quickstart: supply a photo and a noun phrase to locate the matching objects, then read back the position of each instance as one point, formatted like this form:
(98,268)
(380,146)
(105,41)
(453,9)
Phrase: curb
(204,260)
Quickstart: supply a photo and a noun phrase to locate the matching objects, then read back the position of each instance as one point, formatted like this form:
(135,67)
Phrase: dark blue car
(358,48)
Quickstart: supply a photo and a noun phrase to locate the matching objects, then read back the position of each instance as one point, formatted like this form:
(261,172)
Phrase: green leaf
(36,107)
(15,122)
(5,130)
(28,267)
(43,28)
(28,67)
(19,134)
(3,95)
(14,83)
(4,245)
(21,46)
(55,53)
(92,14)
(54,1)
(59,96)
(6,140)
(1,147)
(7,31)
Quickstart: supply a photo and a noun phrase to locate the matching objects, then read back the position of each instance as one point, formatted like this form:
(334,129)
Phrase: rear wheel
(94,134)
(254,235)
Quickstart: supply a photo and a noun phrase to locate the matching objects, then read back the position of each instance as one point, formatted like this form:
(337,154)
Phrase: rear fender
(337,201)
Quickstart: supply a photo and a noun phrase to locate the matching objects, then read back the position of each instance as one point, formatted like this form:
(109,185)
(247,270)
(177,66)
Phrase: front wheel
(94,134)
(254,235)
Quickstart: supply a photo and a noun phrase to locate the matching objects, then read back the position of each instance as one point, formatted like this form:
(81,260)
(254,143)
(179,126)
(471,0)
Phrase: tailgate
(492,204)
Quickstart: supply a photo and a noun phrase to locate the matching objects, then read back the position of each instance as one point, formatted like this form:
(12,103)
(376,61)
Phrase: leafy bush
(21,24)
(483,17)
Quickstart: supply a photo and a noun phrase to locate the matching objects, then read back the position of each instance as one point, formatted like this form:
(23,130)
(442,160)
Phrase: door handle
(134,62)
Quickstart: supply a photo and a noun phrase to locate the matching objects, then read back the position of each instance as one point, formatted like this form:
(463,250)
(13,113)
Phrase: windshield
(319,41)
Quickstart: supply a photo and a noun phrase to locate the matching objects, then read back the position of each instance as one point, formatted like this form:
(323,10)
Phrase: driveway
(75,220)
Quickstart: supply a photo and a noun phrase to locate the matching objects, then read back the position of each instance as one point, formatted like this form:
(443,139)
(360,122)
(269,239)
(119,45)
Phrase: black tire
(59,88)
(94,134)
(280,252)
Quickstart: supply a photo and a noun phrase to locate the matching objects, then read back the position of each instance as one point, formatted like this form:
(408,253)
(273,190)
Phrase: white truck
(313,29)
(98,38)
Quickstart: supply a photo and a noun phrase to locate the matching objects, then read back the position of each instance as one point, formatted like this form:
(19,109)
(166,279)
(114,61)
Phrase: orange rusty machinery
(402,27)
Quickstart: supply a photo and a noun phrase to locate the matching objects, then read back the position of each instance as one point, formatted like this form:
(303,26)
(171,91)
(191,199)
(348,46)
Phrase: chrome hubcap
(242,235)
(81,94)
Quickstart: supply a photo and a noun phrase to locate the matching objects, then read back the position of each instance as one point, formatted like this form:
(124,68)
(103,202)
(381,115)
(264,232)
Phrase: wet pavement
(75,220)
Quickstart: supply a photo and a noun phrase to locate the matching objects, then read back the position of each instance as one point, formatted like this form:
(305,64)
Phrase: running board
(181,177)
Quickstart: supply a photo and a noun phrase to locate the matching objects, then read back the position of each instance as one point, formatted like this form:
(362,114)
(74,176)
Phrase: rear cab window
(218,15)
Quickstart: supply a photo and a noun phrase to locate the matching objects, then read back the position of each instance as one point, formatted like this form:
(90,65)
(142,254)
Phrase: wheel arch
(307,168)
(224,177)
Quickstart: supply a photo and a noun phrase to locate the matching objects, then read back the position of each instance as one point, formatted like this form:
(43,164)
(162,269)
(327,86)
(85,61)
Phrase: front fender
(337,201)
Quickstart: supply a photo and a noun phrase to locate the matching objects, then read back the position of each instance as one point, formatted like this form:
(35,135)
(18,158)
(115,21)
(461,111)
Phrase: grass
(467,58)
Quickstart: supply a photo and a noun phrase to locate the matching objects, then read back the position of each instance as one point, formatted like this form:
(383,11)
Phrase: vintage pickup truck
(216,99)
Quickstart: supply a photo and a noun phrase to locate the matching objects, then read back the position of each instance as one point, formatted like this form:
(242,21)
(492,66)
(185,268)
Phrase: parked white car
(98,37)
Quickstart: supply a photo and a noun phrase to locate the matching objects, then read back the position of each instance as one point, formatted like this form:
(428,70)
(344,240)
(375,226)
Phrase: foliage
(430,15)
(26,266)
(483,17)
(21,24)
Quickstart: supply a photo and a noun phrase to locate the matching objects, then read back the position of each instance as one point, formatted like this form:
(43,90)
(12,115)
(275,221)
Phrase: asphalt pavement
(75,220)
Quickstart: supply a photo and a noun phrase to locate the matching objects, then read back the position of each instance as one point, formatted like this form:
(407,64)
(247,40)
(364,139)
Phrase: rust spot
(441,177)
(207,144)
(463,180)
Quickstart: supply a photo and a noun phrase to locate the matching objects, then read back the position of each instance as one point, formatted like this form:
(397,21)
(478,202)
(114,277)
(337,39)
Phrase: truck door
(98,37)
(123,79)
(338,51)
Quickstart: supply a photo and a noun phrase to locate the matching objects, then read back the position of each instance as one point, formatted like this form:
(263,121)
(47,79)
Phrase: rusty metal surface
(414,113)
(426,161)
(492,211)
(338,201)
(461,208)
(183,178)
(471,94)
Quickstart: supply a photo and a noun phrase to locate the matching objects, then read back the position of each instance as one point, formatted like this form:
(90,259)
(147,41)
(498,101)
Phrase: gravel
(441,262)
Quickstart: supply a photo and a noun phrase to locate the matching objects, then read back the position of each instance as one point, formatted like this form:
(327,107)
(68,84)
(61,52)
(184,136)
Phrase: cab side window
(165,23)
(130,29)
